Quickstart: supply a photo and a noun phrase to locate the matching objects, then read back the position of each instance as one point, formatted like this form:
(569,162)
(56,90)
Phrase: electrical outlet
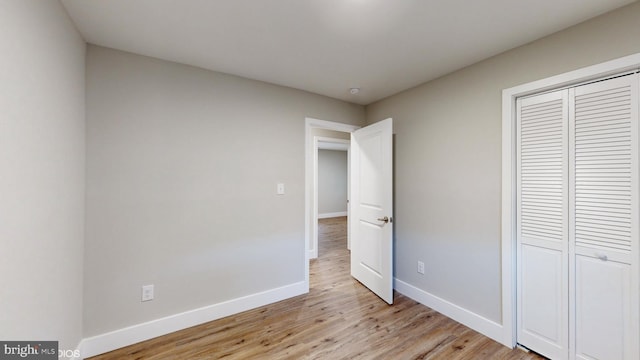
(147,292)
(420,267)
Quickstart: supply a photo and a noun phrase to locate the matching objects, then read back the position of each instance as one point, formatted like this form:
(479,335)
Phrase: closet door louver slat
(603,159)
(541,168)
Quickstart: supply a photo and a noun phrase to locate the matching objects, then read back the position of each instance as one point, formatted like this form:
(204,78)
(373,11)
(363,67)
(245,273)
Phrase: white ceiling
(328,46)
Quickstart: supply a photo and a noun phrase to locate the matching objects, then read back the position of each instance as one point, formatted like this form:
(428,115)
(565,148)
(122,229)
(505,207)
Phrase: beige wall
(41,173)
(332,181)
(182,171)
(448,158)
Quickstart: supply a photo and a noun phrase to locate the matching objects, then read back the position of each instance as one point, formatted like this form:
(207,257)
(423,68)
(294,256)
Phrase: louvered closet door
(604,219)
(542,230)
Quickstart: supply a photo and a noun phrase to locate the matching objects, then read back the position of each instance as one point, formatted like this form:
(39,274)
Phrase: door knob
(384,219)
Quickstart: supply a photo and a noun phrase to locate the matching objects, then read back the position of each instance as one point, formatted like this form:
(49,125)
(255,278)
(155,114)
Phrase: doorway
(331,181)
(324,132)
(371,202)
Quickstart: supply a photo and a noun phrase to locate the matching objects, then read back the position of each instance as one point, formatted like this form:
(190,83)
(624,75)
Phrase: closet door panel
(542,224)
(603,309)
(543,293)
(604,219)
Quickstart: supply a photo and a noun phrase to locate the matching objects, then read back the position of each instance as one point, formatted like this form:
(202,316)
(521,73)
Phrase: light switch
(280,190)
(147,292)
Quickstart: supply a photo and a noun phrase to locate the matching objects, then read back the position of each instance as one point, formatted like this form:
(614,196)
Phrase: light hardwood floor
(337,319)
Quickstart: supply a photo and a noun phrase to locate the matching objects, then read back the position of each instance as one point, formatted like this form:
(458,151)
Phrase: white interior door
(542,252)
(371,207)
(578,225)
(604,219)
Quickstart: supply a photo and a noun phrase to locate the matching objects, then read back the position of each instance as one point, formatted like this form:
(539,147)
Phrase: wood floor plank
(338,319)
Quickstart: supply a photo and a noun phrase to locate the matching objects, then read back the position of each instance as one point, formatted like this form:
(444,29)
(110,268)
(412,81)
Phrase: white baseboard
(133,334)
(332,215)
(75,354)
(466,317)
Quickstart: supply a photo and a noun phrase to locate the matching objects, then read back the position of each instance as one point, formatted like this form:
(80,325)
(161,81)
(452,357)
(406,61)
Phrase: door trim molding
(309,179)
(508,238)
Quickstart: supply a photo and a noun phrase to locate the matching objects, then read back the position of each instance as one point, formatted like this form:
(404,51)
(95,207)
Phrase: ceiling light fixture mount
(354,91)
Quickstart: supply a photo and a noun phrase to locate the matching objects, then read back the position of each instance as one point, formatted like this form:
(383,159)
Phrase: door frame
(629,63)
(309,179)
(317,140)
